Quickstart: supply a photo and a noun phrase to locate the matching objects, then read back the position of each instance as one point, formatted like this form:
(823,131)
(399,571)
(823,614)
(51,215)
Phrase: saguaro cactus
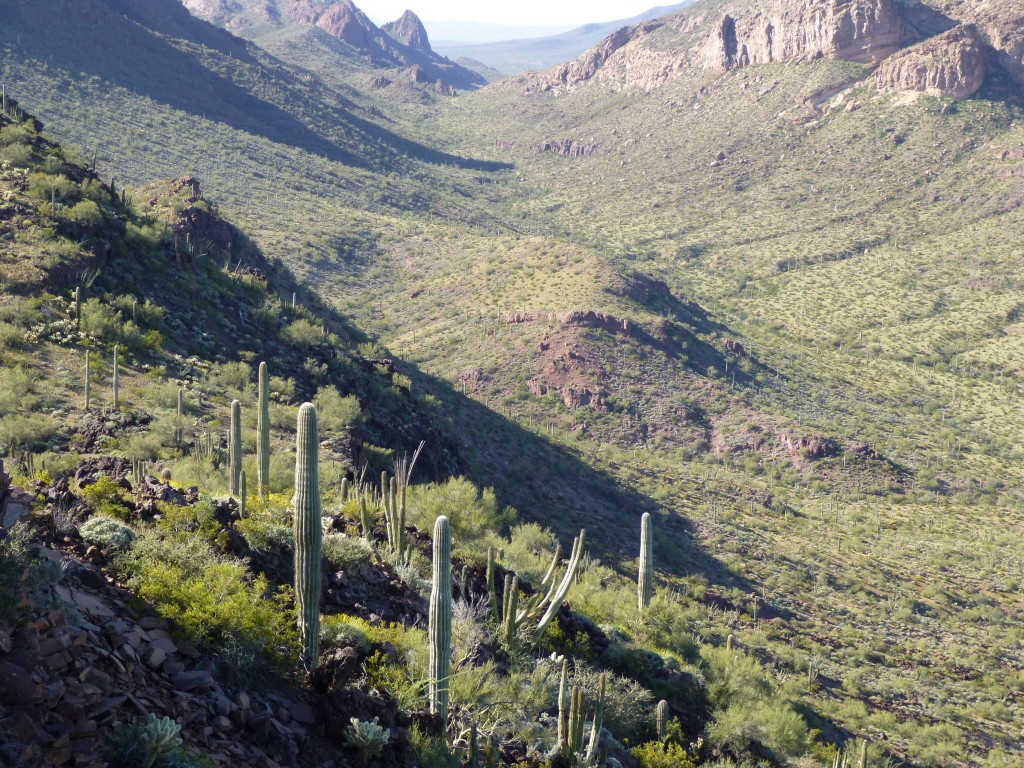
(595,732)
(661,719)
(88,380)
(116,381)
(308,530)
(241,494)
(181,415)
(645,580)
(235,447)
(78,307)
(263,433)
(440,618)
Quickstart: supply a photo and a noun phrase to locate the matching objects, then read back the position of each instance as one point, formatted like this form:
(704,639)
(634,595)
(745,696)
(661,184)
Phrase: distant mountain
(514,56)
(447,33)
(401,44)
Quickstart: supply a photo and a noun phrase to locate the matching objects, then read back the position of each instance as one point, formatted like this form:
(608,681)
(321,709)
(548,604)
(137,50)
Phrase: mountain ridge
(730,35)
(407,49)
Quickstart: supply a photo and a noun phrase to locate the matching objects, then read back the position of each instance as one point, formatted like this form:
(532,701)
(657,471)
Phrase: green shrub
(474,515)
(302,333)
(339,630)
(46,187)
(336,412)
(345,552)
(107,497)
(16,133)
(654,754)
(210,597)
(107,532)
(16,155)
(84,214)
(11,336)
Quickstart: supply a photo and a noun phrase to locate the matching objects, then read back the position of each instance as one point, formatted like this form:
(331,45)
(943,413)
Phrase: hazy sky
(568,13)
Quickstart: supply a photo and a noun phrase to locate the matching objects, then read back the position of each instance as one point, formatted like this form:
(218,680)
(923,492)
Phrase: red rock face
(950,65)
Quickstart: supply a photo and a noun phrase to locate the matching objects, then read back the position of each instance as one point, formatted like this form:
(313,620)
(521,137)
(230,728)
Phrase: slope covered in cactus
(206,309)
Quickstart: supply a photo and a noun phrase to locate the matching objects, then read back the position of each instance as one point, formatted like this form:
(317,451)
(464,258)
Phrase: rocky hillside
(916,47)
(399,45)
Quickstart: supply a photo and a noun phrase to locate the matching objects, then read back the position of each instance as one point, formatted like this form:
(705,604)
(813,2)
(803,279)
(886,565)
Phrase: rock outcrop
(409,30)
(954,46)
(950,65)
(862,31)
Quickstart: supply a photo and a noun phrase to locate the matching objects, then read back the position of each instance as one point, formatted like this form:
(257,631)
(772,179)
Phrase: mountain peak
(408,29)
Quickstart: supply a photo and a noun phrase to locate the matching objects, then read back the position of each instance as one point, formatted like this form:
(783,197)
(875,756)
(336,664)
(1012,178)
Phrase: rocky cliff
(863,31)
(401,44)
(950,65)
(409,30)
(917,46)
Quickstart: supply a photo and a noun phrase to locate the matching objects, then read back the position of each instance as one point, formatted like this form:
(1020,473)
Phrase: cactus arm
(567,580)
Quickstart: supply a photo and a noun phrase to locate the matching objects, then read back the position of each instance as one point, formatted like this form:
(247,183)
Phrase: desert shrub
(107,497)
(26,431)
(84,214)
(17,155)
(748,707)
(107,532)
(340,630)
(430,751)
(234,376)
(302,333)
(336,412)
(189,521)
(210,597)
(346,553)
(473,514)
(15,133)
(16,385)
(46,187)
(11,336)
(628,707)
(667,623)
(654,754)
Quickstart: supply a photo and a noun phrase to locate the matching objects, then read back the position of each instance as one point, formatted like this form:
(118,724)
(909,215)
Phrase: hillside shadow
(550,484)
(161,53)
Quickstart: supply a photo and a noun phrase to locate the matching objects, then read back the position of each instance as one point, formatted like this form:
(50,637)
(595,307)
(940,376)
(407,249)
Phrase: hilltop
(400,47)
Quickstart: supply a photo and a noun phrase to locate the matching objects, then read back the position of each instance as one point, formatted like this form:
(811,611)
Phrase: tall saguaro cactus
(181,414)
(308,530)
(116,381)
(88,380)
(78,307)
(440,618)
(263,433)
(235,447)
(645,580)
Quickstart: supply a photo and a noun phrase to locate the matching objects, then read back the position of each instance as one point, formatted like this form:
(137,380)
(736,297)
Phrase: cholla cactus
(368,738)
(159,738)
